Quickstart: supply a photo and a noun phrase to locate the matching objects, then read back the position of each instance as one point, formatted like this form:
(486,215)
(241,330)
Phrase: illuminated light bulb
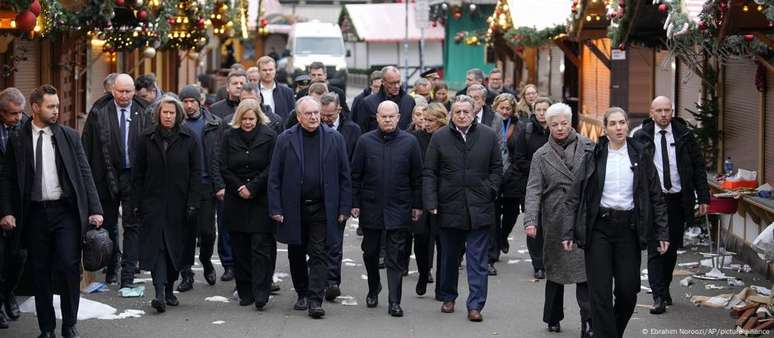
(588,18)
(760,8)
(745,8)
(13,23)
(185,20)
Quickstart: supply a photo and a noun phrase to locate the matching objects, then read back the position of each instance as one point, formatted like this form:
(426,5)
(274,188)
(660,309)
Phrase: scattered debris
(95,287)
(688,265)
(646,289)
(513,261)
(761,290)
(364,277)
(686,282)
(680,252)
(129,313)
(714,287)
(137,291)
(220,299)
(346,300)
(746,268)
(279,276)
(347,260)
(87,309)
(735,282)
(522,251)
(218,322)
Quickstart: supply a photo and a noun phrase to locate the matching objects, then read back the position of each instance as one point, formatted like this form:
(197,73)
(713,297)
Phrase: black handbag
(97,249)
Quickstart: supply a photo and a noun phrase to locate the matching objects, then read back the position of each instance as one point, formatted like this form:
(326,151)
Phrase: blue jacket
(386,179)
(284,101)
(287,170)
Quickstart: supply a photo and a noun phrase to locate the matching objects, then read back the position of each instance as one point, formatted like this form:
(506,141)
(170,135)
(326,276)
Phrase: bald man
(681,171)
(108,139)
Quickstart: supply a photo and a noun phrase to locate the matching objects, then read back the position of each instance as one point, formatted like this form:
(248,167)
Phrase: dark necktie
(665,161)
(122,126)
(37,183)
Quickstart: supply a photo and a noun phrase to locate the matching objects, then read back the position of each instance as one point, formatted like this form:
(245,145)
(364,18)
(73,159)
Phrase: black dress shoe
(491,270)
(659,307)
(316,311)
(186,284)
(395,310)
(209,273)
(421,286)
(159,306)
(12,307)
(3,321)
(228,275)
(668,300)
(246,301)
(554,327)
(301,304)
(71,332)
(171,299)
(372,301)
(332,292)
(260,306)
(505,247)
(47,334)
(540,274)
(275,287)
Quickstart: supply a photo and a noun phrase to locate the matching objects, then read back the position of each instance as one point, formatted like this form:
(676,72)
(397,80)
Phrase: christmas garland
(530,37)
(470,38)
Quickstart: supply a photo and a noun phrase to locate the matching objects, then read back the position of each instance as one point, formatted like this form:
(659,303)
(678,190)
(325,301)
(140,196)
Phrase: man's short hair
(264,60)
(329,98)
(390,69)
(235,73)
(388,104)
(252,70)
(303,100)
(478,74)
(375,75)
(421,82)
(237,66)
(146,81)
(109,81)
(495,71)
(318,88)
(37,94)
(459,99)
(477,88)
(250,88)
(317,65)
(11,94)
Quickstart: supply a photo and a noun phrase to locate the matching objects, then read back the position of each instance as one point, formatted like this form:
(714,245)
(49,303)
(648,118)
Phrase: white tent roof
(539,14)
(385,23)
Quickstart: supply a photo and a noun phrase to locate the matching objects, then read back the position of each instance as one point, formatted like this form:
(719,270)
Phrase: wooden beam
(765,63)
(598,53)
(568,53)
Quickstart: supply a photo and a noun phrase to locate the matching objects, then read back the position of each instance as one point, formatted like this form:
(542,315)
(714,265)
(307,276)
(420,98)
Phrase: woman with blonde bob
(244,163)
(526,105)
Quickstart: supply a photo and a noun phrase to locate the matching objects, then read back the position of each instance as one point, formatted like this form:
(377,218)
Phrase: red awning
(386,23)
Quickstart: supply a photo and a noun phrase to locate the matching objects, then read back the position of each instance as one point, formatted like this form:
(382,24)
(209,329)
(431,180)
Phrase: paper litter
(217,299)
(278,276)
(686,282)
(218,322)
(137,291)
(95,287)
(87,309)
(513,261)
(363,277)
(346,300)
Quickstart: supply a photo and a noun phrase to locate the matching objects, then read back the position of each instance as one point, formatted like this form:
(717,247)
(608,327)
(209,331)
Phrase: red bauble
(574,2)
(35,7)
(142,15)
(200,23)
(171,21)
(749,37)
(25,21)
(434,23)
(663,8)
(702,25)
(457,15)
(264,22)
(120,3)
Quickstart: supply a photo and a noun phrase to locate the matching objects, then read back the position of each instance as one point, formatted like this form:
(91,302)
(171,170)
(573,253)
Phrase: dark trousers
(553,310)
(205,234)
(12,262)
(334,256)
(310,277)
(535,248)
(163,274)
(613,255)
(224,242)
(254,256)
(507,211)
(55,247)
(131,226)
(660,267)
(422,244)
(395,247)
(476,245)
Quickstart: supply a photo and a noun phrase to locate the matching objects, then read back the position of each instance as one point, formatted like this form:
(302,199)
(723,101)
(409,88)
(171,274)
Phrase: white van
(318,41)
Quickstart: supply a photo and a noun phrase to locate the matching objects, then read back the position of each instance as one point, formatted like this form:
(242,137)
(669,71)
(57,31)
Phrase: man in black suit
(50,195)
(330,114)
(108,139)
(12,257)
(318,74)
(484,113)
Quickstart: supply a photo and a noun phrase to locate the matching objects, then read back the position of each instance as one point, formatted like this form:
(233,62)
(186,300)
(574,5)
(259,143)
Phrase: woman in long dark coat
(166,178)
(506,124)
(551,176)
(245,156)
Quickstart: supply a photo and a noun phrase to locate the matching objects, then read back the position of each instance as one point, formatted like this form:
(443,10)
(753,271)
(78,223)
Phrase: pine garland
(530,37)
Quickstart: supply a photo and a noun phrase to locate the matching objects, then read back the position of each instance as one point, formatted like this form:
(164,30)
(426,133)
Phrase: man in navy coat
(387,197)
(310,195)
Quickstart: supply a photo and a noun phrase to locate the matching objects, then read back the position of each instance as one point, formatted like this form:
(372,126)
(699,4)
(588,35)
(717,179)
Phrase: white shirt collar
(336,123)
(128,107)
(36,130)
(273,85)
(668,129)
(622,150)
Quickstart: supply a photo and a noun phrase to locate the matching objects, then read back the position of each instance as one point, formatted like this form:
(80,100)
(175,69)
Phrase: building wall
(365,55)
(458,58)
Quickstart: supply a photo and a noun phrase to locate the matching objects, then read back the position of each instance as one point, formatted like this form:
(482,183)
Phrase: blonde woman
(528,96)
(244,163)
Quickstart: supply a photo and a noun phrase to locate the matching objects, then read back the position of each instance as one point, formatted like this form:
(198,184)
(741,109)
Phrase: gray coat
(547,187)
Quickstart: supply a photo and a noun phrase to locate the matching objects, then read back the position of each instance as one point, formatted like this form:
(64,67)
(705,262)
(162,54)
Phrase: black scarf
(167,135)
(248,136)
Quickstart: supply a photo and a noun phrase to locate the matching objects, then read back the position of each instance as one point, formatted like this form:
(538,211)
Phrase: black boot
(422,285)
(209,272)
(11,307)
(228,275)
(186,281)
(659,306)
(395,310)
(316,311)
(169,296)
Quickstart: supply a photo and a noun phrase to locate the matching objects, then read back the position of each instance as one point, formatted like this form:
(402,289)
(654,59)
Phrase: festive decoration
(184,32)
(530,37)
(25,21)
(35,8)
(149,52)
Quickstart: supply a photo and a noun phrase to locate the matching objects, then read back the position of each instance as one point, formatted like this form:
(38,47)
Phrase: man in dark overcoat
(310,194)
(49,194)
(386,196)
(391,90)
(462,174)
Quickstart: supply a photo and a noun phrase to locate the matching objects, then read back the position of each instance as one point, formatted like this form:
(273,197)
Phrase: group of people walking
(447,177)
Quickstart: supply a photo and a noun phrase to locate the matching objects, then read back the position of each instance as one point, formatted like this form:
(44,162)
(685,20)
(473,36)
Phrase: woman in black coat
(245,156)
(532,135)
(506,125)
(166,180)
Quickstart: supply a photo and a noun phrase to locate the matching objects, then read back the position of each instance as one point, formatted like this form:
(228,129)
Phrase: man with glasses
(462,173)
(310,174)
(109,139)
(391,90)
